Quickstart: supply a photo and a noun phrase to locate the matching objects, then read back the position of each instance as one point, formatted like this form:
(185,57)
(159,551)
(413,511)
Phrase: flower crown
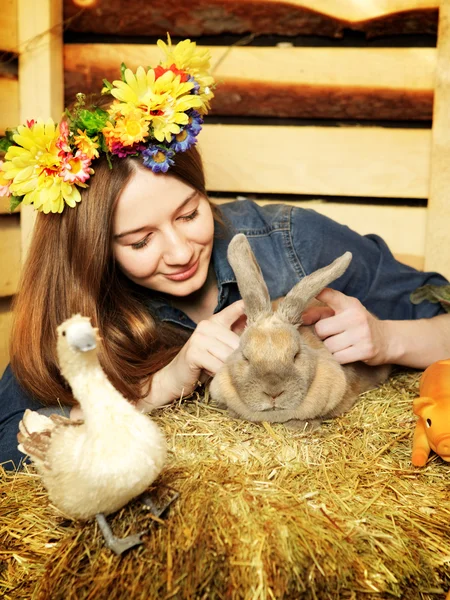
(156,113)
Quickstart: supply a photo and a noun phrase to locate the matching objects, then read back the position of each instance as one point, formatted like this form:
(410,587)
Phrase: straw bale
(263,513)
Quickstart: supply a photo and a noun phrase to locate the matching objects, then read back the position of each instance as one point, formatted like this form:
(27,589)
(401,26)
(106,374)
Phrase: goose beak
(81,336)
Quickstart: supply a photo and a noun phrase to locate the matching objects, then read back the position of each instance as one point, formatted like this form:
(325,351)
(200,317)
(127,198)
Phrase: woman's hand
(348,329)
(205,352)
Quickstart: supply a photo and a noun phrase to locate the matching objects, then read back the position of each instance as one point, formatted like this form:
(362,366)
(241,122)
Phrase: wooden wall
(10,242)
(325,104)
(340,123)
(31,85)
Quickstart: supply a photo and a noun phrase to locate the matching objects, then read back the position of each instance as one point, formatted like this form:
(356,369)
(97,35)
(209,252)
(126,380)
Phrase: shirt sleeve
(375,277)
(13,403)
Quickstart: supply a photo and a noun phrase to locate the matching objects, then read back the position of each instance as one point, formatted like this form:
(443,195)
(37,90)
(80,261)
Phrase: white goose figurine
(97,465)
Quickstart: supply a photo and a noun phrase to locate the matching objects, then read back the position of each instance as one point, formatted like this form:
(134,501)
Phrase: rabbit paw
(303,426)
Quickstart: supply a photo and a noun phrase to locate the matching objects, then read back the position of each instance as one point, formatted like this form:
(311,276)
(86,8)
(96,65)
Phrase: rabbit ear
(291,308)
(249,278)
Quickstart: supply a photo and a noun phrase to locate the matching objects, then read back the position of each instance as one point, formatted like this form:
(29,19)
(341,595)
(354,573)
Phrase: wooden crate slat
(352,83)
(4,206)
(8,26)
(9,103)
(438,239)
(402,227)
(283,17)
(5,328)
(10,254)
(40,75)
(334,161)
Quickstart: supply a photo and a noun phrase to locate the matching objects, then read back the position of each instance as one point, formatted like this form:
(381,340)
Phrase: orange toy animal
(433,409)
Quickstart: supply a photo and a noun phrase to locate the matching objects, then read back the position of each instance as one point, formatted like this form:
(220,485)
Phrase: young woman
(143,254)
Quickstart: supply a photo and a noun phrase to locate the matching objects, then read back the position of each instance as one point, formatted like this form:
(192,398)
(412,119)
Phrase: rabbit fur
(282,372)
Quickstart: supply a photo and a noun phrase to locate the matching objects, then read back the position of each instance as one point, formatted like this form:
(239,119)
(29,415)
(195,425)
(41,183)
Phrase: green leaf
(123,68)
(90,121)
(14,202)
(432,293)
(109,86)
(103,145)
(81,101)
(10,133)
(5,144)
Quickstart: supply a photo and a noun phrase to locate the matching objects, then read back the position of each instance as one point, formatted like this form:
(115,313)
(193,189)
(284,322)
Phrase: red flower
(161,70)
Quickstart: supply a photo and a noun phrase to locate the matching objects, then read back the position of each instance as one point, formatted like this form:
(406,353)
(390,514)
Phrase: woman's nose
(177,249)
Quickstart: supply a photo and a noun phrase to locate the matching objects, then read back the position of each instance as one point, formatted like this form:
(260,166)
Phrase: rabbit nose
(273,397)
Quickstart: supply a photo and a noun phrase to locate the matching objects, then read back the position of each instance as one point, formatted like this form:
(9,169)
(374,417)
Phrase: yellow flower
(4,183)
(163,101)
(52,193)
(110,135)
(33,167)
(169,110)
(143,91)
(136,90)
(187,56)
(86,145)
(132,128)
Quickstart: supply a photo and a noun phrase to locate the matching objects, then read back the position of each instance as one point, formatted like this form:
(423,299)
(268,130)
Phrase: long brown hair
(71,269)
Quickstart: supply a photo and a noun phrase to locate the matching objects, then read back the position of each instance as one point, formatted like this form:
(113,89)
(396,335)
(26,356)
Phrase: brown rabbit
(282,372)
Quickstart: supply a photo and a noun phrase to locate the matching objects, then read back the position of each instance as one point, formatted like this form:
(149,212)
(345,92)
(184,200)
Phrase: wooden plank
(286,17)
(8,26)
(330,161)
(337,83)
(10,254)
(402,227)
(438,240)
(9,103)
(40,74)
(4,207)
(5,329)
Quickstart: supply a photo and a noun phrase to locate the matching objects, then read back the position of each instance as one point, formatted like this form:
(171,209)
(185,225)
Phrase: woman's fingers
(316,313)
(210,332)
(229,315)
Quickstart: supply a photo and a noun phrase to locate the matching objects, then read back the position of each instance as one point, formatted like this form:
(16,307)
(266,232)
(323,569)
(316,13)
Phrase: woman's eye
(141,244)
(191,216)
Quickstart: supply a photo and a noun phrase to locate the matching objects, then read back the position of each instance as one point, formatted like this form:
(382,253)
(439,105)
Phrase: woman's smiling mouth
(186,274)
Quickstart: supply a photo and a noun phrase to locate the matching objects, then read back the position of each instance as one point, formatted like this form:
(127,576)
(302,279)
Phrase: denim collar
(226,283)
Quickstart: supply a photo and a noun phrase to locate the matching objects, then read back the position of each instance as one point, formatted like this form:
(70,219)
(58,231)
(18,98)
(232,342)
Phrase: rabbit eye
(244,358)
(428,422)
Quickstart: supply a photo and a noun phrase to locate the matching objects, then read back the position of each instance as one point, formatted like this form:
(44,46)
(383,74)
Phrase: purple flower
(158,158)
(196,88)
(123,151)
(183,140)
(195,121)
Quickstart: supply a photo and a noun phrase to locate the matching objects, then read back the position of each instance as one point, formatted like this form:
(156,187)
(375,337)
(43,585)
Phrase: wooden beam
(336,83)
(327,161)
(40,74)
(283,17)
(8,26)
(401,227)
(9,103)
(10,254)
(437,255)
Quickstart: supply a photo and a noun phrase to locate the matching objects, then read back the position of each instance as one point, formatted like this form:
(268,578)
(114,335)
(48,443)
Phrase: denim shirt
(288,243)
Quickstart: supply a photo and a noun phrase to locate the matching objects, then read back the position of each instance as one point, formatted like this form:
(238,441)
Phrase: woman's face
(163,233)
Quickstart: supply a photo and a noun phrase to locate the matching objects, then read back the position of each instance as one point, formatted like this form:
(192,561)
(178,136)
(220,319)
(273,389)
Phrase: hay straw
(263,513)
